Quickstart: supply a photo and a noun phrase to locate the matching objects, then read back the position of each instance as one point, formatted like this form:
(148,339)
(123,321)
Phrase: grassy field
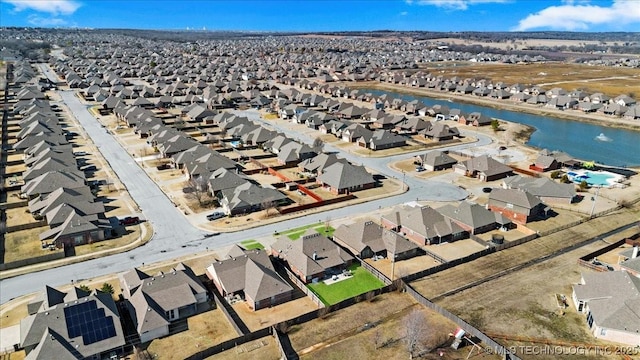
(294,234)
(361,282)
(24,244)
(566,76)
(251,245)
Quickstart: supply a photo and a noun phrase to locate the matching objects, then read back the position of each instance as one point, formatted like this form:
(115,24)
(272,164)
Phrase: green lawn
(251,245)
(294,234)
(361,282)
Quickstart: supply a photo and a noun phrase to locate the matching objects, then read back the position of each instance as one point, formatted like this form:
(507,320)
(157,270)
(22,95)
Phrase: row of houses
(56,188)
(622,105)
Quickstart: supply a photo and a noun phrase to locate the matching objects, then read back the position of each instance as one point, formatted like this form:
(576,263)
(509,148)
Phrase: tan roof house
(367,239)
(154,302)
(312,257)
(251,275)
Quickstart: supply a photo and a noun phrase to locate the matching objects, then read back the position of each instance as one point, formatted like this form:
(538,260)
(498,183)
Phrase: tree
(564,179)
(583,185)
(107,288)
(495,125)
(84,287)
(317,145)
(197,189)
(267,205)
(414,329)
(555,174)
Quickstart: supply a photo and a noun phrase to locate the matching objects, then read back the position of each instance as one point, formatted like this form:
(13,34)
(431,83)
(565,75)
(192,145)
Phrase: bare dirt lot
(262,318)
(382,338)
(403,267)
(205,330)
(261,349)
(509,306)
(319,330)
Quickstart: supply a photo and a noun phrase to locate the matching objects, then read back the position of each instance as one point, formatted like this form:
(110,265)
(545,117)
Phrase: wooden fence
(302,286)
(491,345)
(375,272)
(32,260)
(26,226)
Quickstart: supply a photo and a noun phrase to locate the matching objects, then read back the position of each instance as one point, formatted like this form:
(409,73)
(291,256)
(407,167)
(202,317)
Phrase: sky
(328,15)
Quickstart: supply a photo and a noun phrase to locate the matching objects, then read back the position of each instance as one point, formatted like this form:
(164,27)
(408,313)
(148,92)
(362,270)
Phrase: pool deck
(609,178)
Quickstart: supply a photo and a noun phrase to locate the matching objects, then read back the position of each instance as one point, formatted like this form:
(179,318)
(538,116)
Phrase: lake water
(620,148)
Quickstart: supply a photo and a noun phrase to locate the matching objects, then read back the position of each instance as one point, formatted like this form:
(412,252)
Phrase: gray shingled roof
(613,298)
(473,215)
(344,176)
(34,328)
(300,253)
(367,233)
(251,272)
(541,187)
(516,197)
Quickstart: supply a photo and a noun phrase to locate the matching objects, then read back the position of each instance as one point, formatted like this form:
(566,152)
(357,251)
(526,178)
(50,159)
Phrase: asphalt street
(174,236)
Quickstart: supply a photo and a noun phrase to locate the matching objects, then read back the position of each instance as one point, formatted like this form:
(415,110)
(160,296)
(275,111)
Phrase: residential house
(545,189)
(312,257)
(518,205)
(367,239)
(382,139)
(154,302)
(423,225)
(343,178)
(611,302)
(316,164)
(484,168)
(71,325)
(249,197)
(250,275)
(474,218)
(439,131)
(436,160)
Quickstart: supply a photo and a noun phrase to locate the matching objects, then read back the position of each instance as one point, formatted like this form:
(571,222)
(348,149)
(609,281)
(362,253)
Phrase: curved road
(174,236)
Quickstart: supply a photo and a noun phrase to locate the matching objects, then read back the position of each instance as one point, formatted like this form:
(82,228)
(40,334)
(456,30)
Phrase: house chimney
(315,256)
(634,254)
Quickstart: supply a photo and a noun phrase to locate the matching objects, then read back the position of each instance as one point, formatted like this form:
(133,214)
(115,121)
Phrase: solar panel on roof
(87,320)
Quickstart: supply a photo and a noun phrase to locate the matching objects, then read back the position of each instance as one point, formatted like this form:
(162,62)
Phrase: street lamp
(594,199)
(403,180)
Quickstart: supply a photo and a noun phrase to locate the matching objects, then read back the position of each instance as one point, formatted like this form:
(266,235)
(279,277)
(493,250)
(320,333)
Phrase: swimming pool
(595,178)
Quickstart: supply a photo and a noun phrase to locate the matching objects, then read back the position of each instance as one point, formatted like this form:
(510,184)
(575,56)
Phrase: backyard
(360,282)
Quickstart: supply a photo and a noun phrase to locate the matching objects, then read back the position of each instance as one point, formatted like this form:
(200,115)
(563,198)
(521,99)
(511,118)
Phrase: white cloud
(39,21)
(454,4)
(53,7)
(580,16)
(404,13)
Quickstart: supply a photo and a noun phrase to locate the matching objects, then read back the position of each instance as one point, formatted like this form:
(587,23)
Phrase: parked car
(80,153)
(129,220)
(419,168)
(163,167)
(215,216)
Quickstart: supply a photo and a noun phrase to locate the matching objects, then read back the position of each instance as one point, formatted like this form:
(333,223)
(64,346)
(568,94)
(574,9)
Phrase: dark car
(129,220)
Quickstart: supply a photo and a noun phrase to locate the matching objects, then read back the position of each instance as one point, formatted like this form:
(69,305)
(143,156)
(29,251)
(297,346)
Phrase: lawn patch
(361,282)
(294,234)
(251,245)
